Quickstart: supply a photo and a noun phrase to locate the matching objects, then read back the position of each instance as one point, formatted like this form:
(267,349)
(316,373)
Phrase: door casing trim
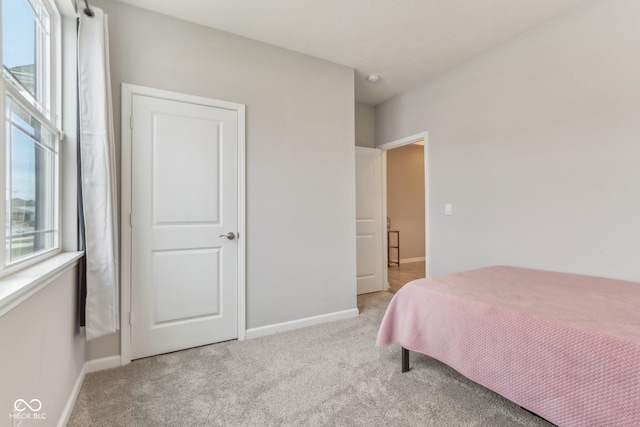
(128,92)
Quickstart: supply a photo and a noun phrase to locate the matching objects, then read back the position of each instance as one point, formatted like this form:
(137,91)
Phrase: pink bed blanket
(564,346)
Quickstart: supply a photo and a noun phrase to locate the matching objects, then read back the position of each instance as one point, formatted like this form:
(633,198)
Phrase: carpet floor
(325,375)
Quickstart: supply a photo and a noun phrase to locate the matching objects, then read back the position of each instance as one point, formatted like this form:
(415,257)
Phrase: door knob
(230,235)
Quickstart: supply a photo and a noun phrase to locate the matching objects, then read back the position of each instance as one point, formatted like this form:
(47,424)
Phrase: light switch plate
(448,209)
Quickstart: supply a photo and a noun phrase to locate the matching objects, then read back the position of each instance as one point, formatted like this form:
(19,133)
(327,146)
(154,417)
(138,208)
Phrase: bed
(564,346)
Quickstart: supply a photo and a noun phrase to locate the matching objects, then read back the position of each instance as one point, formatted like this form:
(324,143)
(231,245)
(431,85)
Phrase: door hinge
(130,221)
(131,122)
(130,318)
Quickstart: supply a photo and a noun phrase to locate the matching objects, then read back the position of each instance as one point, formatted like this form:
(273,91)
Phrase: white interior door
(369,208)
(184,180)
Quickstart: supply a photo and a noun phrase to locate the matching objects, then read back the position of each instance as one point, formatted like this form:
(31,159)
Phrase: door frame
(128,92)
(422,136)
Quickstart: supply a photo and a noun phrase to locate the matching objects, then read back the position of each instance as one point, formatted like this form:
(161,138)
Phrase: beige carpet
(326,375)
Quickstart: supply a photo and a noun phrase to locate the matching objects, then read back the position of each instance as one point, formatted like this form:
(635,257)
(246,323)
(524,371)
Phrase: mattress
(564,346)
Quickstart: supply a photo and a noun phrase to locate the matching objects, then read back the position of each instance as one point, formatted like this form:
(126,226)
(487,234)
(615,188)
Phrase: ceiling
(406,42)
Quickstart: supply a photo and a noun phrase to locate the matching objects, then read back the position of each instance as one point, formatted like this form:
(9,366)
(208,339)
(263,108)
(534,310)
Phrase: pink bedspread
(564,346)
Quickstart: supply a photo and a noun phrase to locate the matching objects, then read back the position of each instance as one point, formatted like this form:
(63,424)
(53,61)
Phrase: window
(31,151)
(30,136)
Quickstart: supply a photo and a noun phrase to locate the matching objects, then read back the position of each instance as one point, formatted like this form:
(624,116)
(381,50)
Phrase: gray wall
(365,125)
(536,144)
(405,198)
(42,352)
(300,154)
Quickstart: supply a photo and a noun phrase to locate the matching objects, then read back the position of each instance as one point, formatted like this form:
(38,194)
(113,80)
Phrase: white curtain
(98,174)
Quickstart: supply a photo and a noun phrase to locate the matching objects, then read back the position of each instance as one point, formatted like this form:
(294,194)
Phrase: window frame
(53,106)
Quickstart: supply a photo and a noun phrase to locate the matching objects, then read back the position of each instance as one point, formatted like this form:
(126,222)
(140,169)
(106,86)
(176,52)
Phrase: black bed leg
(405,360)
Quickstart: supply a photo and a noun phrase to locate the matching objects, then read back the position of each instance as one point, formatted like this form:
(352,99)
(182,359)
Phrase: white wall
(42,353)
(365,125)
(536,144)
(300,154)
(405,199)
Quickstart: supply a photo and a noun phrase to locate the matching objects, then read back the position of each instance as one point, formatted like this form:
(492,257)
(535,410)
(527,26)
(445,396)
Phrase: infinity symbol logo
(21,405)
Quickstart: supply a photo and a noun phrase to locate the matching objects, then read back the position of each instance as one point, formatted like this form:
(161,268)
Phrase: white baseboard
(300,323)
(88,367)
(407,260)
(71,401)
(101,364)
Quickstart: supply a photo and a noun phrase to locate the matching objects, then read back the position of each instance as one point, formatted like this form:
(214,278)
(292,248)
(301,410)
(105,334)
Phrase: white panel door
(184,290)
(369,239)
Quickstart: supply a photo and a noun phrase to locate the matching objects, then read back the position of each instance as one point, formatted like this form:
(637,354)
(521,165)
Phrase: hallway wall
(405,198)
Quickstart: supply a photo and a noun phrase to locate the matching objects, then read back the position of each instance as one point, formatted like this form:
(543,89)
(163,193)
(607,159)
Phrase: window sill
(19,286)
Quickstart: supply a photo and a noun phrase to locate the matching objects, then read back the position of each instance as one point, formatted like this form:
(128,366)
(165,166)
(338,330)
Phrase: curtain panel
(97,175)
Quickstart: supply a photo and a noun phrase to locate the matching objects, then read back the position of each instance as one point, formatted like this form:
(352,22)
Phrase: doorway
(405,203)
